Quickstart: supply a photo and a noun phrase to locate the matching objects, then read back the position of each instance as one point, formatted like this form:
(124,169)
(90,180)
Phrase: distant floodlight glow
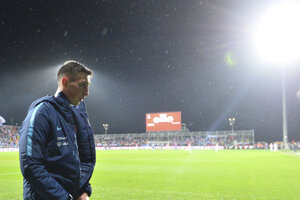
(277,35)
(230,59)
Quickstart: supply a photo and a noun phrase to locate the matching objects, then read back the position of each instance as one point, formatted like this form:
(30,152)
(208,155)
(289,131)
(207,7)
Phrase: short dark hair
(71,68)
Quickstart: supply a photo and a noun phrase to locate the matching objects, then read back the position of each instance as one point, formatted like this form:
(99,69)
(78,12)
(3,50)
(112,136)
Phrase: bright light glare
(277,35)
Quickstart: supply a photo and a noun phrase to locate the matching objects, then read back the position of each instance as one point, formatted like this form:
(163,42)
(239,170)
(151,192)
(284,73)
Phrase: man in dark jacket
(57,151)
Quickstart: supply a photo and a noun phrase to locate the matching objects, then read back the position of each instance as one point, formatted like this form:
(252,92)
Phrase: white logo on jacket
(60,142)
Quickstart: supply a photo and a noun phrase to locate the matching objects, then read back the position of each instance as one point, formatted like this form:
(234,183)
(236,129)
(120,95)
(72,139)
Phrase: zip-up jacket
(49,157)
(86,147)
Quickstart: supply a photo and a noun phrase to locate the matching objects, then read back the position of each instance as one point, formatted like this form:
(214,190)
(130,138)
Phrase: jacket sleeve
(33,143)
(87,188)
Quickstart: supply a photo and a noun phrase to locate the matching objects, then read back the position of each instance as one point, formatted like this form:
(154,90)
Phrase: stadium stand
(9,136)
(226,139)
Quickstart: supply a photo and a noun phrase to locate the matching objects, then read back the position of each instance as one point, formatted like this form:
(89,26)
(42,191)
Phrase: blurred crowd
(9,137)
(227,142)
(274,146)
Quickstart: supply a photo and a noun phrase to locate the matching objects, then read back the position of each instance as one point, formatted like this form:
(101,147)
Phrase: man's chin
(76,103)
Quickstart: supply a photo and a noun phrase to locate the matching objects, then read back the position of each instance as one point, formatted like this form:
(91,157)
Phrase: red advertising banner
(168,121)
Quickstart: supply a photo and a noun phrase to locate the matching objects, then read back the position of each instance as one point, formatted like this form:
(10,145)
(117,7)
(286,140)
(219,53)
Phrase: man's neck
(57,92)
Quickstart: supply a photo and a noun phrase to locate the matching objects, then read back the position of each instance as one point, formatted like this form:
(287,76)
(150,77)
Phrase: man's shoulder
(41,102)
(43,109)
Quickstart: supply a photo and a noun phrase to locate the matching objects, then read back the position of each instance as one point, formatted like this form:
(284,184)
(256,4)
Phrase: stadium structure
(165,131)
(178,140)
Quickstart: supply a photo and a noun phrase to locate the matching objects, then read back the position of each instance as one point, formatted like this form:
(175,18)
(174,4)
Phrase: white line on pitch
(2,174)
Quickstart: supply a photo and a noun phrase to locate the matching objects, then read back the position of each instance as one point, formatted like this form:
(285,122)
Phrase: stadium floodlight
(277,35)
(277,40)
(105,126)
(231,123)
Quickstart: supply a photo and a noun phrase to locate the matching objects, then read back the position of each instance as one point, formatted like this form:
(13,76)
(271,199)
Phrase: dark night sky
(147,56)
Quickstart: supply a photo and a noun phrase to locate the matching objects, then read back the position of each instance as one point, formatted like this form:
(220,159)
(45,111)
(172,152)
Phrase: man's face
(76,90)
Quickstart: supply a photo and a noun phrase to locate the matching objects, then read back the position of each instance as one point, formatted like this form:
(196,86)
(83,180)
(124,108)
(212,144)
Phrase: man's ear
(64,81)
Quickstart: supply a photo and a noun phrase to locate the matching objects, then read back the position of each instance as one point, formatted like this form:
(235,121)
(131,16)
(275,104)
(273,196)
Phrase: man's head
(73,80)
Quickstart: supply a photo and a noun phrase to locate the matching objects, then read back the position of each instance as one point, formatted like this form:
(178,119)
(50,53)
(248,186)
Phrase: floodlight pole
(105,126)
(231,123)
(284,114)
(277,37)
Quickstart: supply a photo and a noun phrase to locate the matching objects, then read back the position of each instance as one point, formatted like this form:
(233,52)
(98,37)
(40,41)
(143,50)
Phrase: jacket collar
(63,104)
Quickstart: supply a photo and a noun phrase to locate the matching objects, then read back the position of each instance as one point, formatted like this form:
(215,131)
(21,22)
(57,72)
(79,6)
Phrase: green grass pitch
(179,175)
